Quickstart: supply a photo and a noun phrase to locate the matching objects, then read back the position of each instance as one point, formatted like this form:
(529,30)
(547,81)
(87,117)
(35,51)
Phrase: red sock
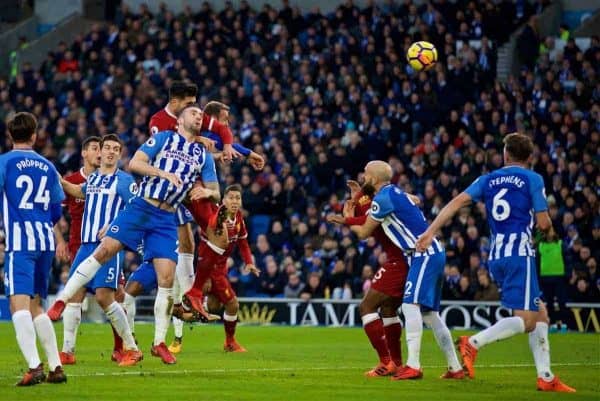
(393,332)
(118,340)
(376,335)
(229,330)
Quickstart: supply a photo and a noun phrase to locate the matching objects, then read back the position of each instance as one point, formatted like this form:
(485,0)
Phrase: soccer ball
(421,56)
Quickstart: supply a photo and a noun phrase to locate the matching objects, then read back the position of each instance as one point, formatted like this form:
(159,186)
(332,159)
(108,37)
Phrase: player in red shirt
(223,228)
(387,287)
(90,153)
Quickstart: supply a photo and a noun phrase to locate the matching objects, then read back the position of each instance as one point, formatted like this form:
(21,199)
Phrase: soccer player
(513,197)
(385,293)
(402,221)
(31,206)
(90,153)
(106,192)
(170,163)
(227,222)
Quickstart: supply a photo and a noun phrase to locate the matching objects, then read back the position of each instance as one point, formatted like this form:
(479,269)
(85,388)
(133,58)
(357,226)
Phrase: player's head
(217,110)
(22,128)
(181,94)
(232,198)
(377,174)
(111,148)
(517,148)
(90,151)
(190,118)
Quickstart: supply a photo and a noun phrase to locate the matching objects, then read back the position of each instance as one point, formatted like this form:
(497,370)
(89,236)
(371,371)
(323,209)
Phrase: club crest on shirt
(197,150)
(133,188)
(363,200)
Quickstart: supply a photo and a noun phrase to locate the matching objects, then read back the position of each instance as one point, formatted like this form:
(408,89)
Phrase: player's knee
(232,306)
(529,323)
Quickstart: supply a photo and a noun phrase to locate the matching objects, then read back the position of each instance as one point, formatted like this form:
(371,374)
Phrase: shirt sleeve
(211,124)
(538,193)
(57,195)
(127,187)
(209,172)
(154,144)
(153,126)
(381,206)
(475,190)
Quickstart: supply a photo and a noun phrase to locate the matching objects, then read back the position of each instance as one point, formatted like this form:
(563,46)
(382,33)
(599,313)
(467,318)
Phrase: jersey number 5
(42,196)
(500,207)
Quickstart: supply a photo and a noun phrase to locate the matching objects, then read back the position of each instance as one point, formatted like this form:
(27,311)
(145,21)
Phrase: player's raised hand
(252,269)
(349,207)
(62,251)
(208,143)
(200,192)
(229,153)
(335,218)
(354,187)
(172,178)
(424,241)
(256,161)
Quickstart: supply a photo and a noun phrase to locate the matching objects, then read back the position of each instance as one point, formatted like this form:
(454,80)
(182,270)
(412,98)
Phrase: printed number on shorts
(407,289)
(111,274)
(379,274)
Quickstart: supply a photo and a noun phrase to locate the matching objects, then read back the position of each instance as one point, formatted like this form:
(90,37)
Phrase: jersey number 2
(500,207)
(42,196)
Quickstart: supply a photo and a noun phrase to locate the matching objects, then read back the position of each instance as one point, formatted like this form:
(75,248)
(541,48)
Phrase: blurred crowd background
(319,95)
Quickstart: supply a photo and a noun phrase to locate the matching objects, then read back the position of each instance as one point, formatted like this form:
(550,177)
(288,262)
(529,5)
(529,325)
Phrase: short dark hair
(213,108)
(518,146)
(195,105)
(89,140)
(112,138)
(233,188)
(22,126)
(181,90)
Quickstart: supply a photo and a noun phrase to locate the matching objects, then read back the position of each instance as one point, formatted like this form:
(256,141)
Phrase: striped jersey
(511,195)
(170,152)
(402,221)
(30,187)
(105,195)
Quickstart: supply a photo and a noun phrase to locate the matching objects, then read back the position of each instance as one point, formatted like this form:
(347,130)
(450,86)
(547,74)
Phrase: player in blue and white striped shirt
(403,222)
(170,163)
(514,198)
(30,201)
(106,192)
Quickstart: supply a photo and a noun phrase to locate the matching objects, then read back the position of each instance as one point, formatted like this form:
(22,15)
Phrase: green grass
(291,363)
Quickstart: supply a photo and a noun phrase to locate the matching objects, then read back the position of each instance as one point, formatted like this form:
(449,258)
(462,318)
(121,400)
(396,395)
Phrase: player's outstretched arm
(424,241)
(62,250)
(365,230)
(76,191)
(139,164)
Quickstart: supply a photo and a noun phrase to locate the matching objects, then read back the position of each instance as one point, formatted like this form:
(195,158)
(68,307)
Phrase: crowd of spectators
(319,95)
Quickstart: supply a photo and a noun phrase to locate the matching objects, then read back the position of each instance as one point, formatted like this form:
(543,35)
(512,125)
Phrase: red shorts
(213,266)
(390,278)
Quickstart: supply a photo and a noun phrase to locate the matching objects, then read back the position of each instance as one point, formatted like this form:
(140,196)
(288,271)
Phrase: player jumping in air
(513,197)
(385,295)
(170,163)
(106,192)
(31,205)
(223,228)
(402,221)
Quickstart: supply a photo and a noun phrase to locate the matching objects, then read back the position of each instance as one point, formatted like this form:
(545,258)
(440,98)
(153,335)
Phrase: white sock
(504,328)
(443,338)
(184,273)
(25,332)
(118,318)
(45,332)
(366,319)
(229,318)
(163,307)
(130,308)
(82,275)
(413,327)
(71,321)
(540,347)
(388,321)
(177,327)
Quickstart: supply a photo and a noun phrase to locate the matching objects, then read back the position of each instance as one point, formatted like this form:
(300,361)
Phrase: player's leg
(43,325)
(373,327)
(392,328)
(193,299)
(163,306)
(20,274)
(444,340)
(226,296)
(120,298)
(141,281)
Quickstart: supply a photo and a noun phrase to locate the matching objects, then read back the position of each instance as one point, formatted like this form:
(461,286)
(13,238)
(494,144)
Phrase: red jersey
(75,208)
(206,213)
(164,120)
(363,205)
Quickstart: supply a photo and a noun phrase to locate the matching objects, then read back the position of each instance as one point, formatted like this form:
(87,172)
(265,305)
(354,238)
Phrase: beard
(368,189)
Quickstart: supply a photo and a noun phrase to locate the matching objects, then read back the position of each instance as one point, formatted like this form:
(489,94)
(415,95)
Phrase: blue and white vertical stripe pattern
(180,157)
(102,203)
(26,235)
(514,244)
(404,238)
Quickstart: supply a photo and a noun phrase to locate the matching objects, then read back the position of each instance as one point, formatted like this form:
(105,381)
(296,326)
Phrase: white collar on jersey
(169,112)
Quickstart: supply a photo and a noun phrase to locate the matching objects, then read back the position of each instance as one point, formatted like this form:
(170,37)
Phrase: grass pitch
(296,363)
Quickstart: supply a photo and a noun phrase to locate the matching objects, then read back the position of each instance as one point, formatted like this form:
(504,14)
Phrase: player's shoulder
(123,175)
